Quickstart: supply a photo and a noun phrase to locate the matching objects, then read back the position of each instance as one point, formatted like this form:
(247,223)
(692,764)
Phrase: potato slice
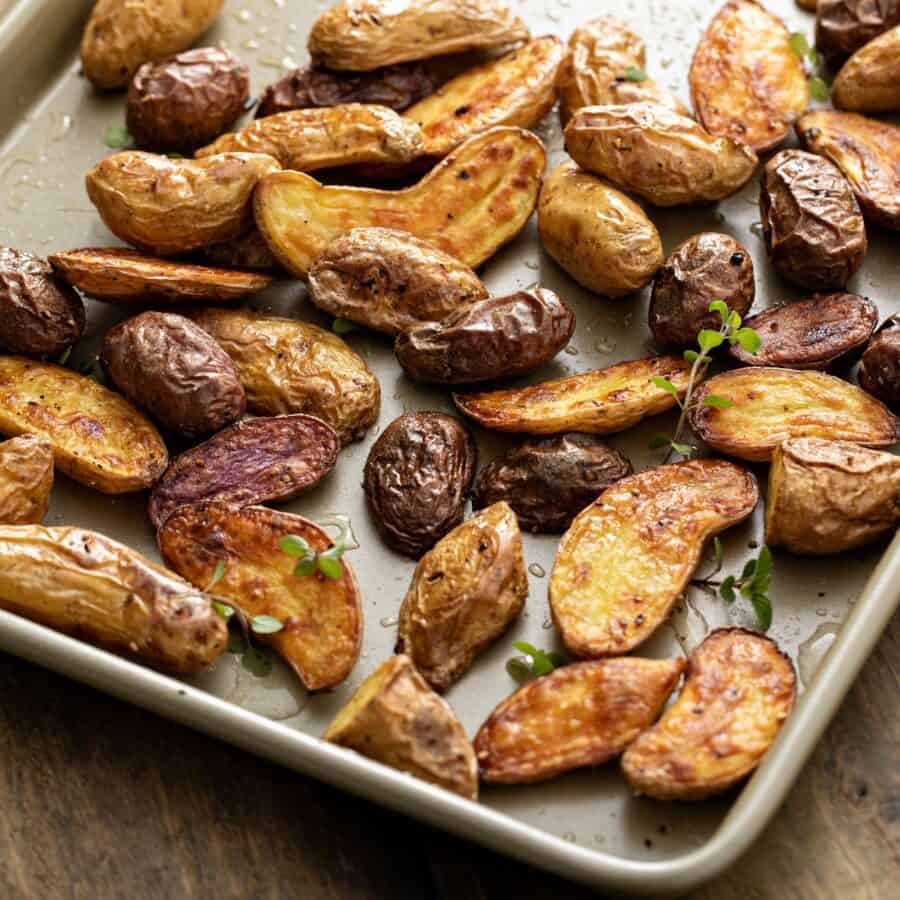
(322,617)
(602,401)
(579,715)
(476,200)
(770,405)
(830,496)
(869,82)
(396,719)
(98,438)
(466,591)
(629,556)
(26,478)
(738,691)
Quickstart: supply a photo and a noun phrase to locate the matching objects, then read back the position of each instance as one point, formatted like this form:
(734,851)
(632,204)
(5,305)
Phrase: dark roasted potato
(869,82)
(417,476)
(500,337)
(26,479)
(249,251)
(879,370)
(843,26)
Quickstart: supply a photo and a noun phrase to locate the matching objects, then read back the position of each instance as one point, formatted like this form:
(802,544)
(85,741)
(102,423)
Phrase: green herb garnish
(326,562)
(753,584)
(343,326)
(217,575)
(535,663)
(117,137)
(633,73)
(819,87)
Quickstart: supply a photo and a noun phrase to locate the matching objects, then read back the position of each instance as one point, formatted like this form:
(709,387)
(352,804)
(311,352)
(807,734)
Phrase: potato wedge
(476,200)
(322,617)
(26,478)
(580,715)
(82,583)
(770,405)
(666,158)
(869,82)
(396,719)
(167,206)
(628,557)
(844,26)
(738,691)
(602,401)
(98,438)
(879,368)
(466,591)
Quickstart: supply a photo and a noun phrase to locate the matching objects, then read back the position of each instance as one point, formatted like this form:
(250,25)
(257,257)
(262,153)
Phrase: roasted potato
(248,251)
(548,481)
(869,82)
(98,438)
(770,405)
(866,151)
(808,4)
(471,204)
(166,206)
(843,26)
(82,583)
(738,690)
(601,401)
(322,617)
(579,715)
(396,719)
(658,154)
(417,476)
(500,337)
(629,556)
(175,371)
(366,34)
(288,366)
(26,478)
(704,268)
(465,593)
(602,238)
(390,280)
(879,369)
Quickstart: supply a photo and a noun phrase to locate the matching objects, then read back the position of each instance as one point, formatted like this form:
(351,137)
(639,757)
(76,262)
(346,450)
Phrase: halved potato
(770,405)
(580,715)
(869,82)
(738,691)
(26,478)
(628,557)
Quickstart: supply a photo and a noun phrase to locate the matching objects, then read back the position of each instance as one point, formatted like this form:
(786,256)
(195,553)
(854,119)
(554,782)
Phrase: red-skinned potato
(843,26)
(879,369)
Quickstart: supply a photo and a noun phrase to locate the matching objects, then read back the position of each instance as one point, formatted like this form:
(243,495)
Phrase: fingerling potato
(879,369)
(247,251)
(843,26)
(869,82)
(26,479)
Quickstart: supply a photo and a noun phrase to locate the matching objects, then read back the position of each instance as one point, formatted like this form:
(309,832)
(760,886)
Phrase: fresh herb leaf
(709,339)
(266,625)
(748,339)
(665,385)
(541,663)
(343,326)
(726,589)
(749,570)
(633,73)
(718,552)
(685,450)
(691,356)
(257,661)
(717,401)
(295,546)
(117,137)
(518,669)
(223,610)
(217,576)
(525,647)
(818,88)
(762,606)
(330,567)
(799,44)
(720,307)
(305,567)
(63,357)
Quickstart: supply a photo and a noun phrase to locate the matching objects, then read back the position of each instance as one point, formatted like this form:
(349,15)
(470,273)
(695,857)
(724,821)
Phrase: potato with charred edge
(580,715)
(26,479)
(417,476)
(629,556)
(869,82)
(879,369)
(843,26)
(396,719)
(770,405)
(738,690)
(322,617)
(465,593)
(602,401)
(248,251)
(477,199)
(84,584)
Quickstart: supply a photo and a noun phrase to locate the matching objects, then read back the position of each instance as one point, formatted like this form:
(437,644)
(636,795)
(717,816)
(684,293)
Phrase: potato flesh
(26,478)
(869,82)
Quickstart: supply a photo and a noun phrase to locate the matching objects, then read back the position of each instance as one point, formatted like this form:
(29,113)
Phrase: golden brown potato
(98,438)
(122,34)
(361,35)
(466,591)
(869,82)
(396,719)
(26,478)
(830,496)
(167,206)
(82,583)
(738,691)
(664,157)
(476,200)
(770,405)
(601,401)
(288,366)
(629,556)
(602,238)
(580,715)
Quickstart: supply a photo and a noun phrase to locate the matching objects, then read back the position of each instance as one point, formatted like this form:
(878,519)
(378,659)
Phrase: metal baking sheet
(585,826)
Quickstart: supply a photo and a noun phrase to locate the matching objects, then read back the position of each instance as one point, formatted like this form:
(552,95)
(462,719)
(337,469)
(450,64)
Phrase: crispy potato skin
(167,206)
(580,715)
(26,479)
(248,251)
(98,438)
(658,154)
(827,497)
(366,34)
(771,405)
(465,593)
(602,238)
(390,280)
(82,583)
(869,82)
(879,369)
(629,556)
(738,690)
(476,200)
(843,26)
(396,719)
(287,366)
(602,401)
